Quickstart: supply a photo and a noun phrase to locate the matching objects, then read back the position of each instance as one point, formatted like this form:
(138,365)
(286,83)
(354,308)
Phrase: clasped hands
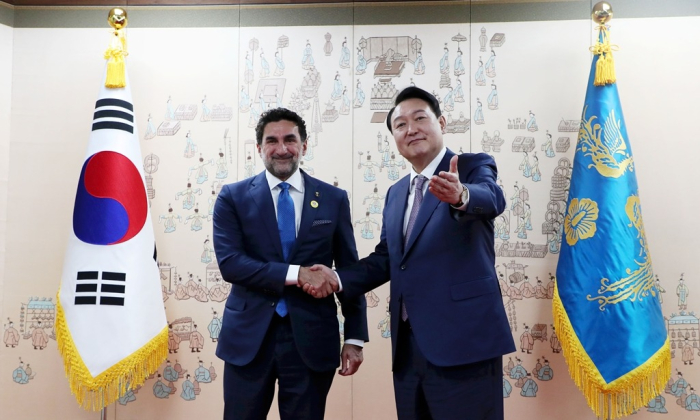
(318,280)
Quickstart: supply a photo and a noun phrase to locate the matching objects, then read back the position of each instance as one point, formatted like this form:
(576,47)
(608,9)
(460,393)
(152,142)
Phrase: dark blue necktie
(286,224)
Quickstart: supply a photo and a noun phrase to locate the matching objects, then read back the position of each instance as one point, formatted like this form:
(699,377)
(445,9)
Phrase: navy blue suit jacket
(249,254)
(446,275)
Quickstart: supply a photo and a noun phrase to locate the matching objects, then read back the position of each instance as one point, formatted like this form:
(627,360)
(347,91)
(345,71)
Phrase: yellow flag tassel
(116,70)
(605,67)
(94,393)
(624,395)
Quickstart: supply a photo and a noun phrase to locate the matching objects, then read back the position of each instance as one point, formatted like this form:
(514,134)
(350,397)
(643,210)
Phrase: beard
(282,168)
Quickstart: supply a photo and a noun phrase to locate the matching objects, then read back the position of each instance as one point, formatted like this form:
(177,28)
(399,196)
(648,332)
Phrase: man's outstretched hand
(319,281)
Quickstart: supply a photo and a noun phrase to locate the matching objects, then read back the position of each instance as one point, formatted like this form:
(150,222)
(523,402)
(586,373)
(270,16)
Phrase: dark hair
(412,92)
(279,114)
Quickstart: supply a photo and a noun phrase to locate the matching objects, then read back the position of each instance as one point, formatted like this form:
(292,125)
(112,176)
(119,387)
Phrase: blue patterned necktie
(286,224)
(417,201)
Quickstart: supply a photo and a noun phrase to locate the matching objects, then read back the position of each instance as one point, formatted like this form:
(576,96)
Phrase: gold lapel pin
(314,203)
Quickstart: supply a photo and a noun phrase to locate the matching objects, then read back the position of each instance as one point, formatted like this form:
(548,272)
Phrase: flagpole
(103,414)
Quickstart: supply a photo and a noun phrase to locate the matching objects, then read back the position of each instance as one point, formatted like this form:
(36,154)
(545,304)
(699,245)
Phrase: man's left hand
(350,359)
(445,185)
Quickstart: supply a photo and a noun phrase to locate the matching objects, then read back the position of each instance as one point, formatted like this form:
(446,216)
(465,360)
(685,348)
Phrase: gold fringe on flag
(605,67)
(624,395)
(116,70)
(94,393)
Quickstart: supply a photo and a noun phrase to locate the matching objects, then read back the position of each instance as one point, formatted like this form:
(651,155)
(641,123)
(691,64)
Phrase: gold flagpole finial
(116,71)
(605,67)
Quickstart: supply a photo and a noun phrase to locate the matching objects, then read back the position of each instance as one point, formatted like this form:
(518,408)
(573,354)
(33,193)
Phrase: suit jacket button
(272,303)
(478,210)
(403,267)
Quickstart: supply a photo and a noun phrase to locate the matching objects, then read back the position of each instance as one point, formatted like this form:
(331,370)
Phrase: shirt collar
(296,180)
(432,166)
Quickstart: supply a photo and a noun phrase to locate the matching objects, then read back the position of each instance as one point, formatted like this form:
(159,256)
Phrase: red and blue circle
(111,204)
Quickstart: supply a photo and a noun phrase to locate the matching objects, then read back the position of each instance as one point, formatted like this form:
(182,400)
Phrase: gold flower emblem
(579,222)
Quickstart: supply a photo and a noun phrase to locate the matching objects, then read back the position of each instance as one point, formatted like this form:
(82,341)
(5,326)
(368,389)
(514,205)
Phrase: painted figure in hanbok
(692,402)
(201,374)
(212,201)
(248,75)
(345,104)
(545,373)
(525,166)
(553,241)
(529,387)
(279,64)
(307,61)
(196,220)
(554,342)
(449,101)
(459,92)
(19,375)
(244,100)
(459,67)
(337,87)
(501,230)
(169,220)
(490,66)
(479,76)
(369,174)
(150,129)
(39,337)
(657,405)
(221,167)
(169,110)
(384,325)
(206,253)
(518,372)
(507,387)
(535,170)
(359,95)
(160,390)
(214,328)
(187,393)
(682,293)
(127,397)
(170,374)
(528,291)
(263,105)
(11,335)
(278,100)
(527,215)
(173,338)
(366,223)
(190,147)
(393,167)
(515,198)
(201,170)
(206,112)
(375,201)
(344,55)
(482,40)
(219,292)
(419,65)
(196,344)
(249,167)
(678,387)
(531,123)
(264,65)
(479,113)
(254,116)
(493,97)
(361,62)
(445,61)
(547,146)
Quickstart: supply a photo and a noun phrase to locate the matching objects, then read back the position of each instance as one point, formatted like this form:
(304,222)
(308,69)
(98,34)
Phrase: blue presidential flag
(606,308)
(110,324)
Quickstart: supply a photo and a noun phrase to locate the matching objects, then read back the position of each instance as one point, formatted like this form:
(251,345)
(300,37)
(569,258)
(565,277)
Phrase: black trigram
(109,289)
(113,114)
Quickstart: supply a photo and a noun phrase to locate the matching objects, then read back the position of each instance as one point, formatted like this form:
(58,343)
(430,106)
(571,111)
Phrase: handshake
(318,280)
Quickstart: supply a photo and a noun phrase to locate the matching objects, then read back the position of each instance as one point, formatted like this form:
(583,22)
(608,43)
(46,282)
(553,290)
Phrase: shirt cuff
(355,342)
(340,284)
(292,278)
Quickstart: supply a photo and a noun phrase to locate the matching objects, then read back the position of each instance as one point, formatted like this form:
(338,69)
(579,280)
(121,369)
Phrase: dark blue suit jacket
(446,275)
(249,253)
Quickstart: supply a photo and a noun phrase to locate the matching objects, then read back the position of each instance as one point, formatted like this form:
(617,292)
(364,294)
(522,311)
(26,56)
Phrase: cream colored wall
(5,105)
(541,67)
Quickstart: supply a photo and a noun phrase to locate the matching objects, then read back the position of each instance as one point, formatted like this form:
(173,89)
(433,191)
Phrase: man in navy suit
(448,326)
(265,228)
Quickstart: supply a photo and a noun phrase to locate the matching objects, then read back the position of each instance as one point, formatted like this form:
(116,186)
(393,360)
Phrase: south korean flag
(111,326)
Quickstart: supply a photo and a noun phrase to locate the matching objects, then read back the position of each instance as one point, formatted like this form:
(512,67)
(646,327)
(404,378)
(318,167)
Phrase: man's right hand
(318,281)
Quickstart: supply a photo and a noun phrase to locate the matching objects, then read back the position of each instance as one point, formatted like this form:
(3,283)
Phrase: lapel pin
(314,203)
(317,194)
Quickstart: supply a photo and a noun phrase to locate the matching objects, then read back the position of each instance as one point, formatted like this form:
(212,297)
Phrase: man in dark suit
(448,325)
(265,228)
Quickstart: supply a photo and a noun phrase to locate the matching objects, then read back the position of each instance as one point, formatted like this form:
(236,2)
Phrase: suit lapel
(312,193)
(429,204)
(260,194)
(397,205)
